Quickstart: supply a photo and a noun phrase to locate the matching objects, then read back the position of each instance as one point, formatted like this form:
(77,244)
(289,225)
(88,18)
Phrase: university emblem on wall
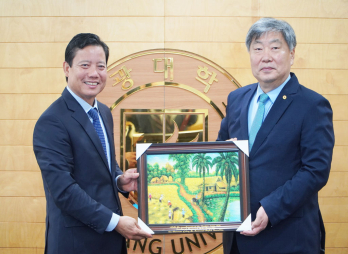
(166,96)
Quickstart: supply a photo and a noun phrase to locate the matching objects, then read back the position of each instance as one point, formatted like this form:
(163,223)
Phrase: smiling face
(87,75)
(271,60)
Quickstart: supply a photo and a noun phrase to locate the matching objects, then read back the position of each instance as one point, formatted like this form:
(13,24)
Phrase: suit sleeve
(316,145)
(54,154)
(223,134)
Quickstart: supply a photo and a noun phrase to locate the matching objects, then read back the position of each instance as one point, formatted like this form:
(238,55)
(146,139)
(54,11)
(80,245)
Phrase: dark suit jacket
(81,193)
(289,163)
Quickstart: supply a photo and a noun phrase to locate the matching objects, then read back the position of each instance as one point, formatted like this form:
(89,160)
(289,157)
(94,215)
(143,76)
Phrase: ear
(292,55)
(66,69)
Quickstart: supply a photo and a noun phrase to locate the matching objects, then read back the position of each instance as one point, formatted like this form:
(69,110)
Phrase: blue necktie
(93,112)
(257,120)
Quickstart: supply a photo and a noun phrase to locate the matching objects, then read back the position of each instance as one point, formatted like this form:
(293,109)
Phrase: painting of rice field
(193,188)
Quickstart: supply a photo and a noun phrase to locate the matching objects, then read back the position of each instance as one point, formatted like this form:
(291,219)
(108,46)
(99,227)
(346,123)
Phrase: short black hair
(81,41)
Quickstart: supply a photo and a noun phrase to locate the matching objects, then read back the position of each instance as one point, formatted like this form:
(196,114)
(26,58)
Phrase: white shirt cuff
(113,222)
(117,186)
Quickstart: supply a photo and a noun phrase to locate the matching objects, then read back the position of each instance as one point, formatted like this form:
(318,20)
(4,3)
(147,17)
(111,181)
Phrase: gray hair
(266,25)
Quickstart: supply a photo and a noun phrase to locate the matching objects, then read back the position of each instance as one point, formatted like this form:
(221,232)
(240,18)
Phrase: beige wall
(34,34)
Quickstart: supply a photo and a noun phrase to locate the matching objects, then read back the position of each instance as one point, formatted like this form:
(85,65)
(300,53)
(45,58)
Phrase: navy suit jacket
(81,192)
(289,163)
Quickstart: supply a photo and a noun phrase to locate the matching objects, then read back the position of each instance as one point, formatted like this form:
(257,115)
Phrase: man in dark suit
(291,139)
(74,147)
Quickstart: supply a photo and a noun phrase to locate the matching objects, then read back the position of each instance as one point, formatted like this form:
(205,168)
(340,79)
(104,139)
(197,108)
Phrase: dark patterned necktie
(93,112)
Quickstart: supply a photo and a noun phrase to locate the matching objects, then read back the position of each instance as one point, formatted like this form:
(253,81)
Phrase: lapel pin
(284,97)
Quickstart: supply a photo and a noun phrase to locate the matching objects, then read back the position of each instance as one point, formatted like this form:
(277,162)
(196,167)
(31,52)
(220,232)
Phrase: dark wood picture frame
(217,149)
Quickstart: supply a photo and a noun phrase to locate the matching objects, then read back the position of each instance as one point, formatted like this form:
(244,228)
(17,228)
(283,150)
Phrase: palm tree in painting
(226,164)
(182,164)
(202,162)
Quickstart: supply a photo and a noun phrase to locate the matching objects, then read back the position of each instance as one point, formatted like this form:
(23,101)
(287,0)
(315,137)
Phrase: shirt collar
(86,107)
(272,94)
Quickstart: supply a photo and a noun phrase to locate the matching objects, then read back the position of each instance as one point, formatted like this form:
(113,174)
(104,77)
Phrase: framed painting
(193,187)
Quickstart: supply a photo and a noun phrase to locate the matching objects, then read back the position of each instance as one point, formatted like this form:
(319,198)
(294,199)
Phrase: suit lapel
(81,117)
(108,129)
(245,113)
(282,102)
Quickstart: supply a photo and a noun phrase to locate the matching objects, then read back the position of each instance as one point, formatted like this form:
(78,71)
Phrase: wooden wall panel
(341,134)
(209,8)
(339,104)
(30,80)
(23,209)
(334,209)
(314,30)
(44,55)
(234,29)
(323,81)
(200,29)
(18,132)
(340,159)
(336,250)
(304,9)
(21,184)
(81,8)
(336,235)
(321,56)
(21,250)
(33,55)
(17,105)
(264,8)
(18,158)
(337,185)
(22,235)
(62,29)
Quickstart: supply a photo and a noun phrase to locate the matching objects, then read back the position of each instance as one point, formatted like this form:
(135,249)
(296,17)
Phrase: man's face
(87,75)
(271,60)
